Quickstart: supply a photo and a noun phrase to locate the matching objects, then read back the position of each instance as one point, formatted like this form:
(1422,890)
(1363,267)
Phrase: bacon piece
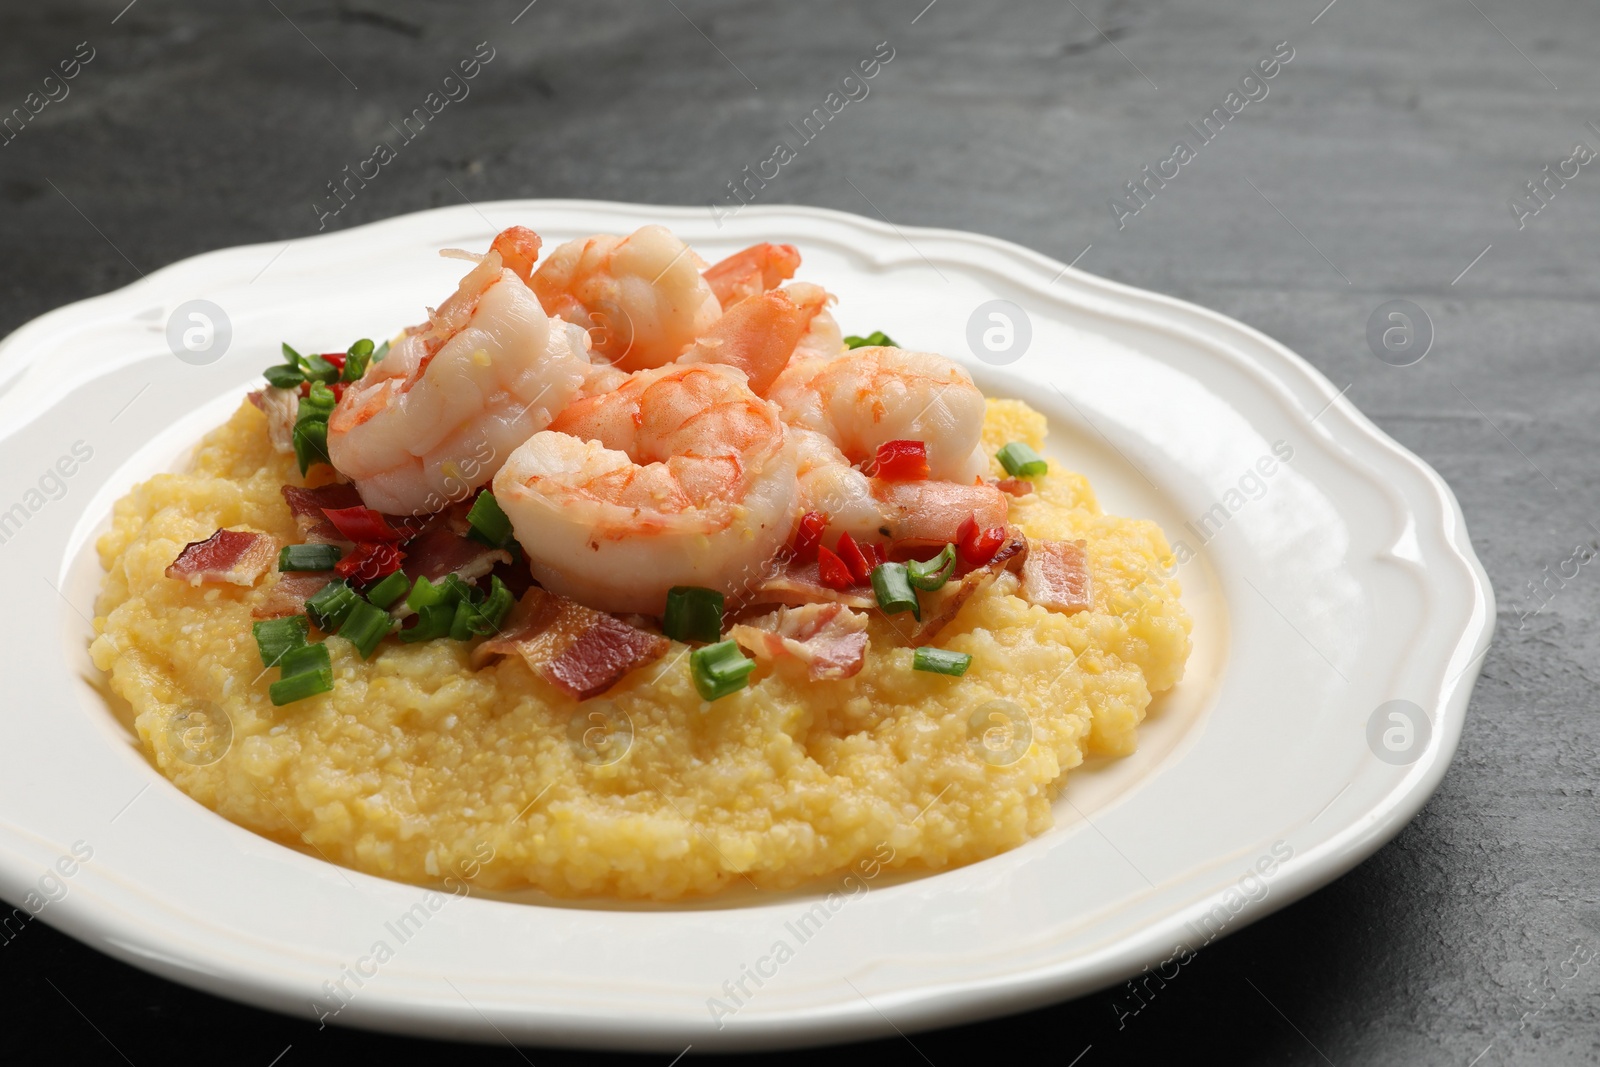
(798,584)
(1014,486)
(281,407)
(942,605)
(1056,576)
(288,595)
(440,550)
(581,651)
(830,639)
(306,505)
(234,556)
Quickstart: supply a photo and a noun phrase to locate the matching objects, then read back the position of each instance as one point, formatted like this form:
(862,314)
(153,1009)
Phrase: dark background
(1382,160)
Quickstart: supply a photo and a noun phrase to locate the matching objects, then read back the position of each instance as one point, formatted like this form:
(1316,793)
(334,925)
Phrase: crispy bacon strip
(581,651)
(281,407)
(1056,576)
(288,595)
(306,505)
(797,584)
(440,550)
(234,556)
(830,639)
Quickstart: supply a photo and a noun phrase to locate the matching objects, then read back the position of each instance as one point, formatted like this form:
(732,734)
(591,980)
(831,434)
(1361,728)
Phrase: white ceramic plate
(1338,583)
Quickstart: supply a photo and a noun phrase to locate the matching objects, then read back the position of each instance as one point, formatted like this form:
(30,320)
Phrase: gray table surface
(1379,166)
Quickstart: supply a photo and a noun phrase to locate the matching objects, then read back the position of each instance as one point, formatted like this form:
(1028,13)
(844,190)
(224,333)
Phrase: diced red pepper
(875,554)
(809,535)
(831,570)
(901,461)
(369,561)
(336,358)
(977,546)
(854,559)
(361,524)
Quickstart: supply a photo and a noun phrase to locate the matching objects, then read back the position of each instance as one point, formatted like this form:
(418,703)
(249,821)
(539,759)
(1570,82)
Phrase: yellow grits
(417,766)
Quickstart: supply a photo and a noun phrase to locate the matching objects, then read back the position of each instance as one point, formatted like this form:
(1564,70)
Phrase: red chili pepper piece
(336,358)
(977,546)
(854,559)
(809,535)
(369,561)
(831,570)
(361,524)
(875,554)
(901,461)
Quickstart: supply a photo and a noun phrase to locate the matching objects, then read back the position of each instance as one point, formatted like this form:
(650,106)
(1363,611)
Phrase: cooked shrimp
(823,339)
(682,476)
(641,297)
(870,509)
(440,413)
(867,396)
(752,271)
(759,335)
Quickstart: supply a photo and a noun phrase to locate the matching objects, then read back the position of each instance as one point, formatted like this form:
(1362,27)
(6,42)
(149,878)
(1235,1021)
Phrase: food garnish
(720,669)
(1021,461)
(892,587)
(940,661)
(319,556)
(876,337)
(693,614)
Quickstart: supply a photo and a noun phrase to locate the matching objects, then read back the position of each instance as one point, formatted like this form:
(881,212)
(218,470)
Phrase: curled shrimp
(681,476)
(641,297)
(901,513)
(436,418)
(871,395)
(751,272)
(760,335)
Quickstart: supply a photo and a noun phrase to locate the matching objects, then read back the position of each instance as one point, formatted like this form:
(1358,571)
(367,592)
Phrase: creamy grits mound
(417,767)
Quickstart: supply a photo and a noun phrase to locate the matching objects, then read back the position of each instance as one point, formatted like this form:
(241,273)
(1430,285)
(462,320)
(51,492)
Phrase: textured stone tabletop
(1385,160)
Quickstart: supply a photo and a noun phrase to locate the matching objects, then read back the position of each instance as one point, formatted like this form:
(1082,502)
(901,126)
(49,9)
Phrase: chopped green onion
(472,618)
(720,669)
(933,573)
(383,350)
(308,557)
(693,614)
(364,626)
(293,358)
(876,337)
(307,671)
(331,605)
(317,369)
(319,402)
(390,590)
(433,620)
(284,376)
(356,359)
(424,594)
(1020,461)
(488,521)
(311,444)
(940,661)
(892,586)
(274,637)
(305,658)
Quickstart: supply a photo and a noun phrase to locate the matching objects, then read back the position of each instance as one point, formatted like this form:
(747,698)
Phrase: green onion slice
(693,614)
(317,369)
(364,626)
(332,604)
(308,557)
(283,376)
(876,338)
(389,591)
(932,574)
(433,620)
(274,637)
(1020,461)
(307,671)
(482,618)
(940,661)
(720,669)
(383,350)
(488,521)
(356,359)
(892,585)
